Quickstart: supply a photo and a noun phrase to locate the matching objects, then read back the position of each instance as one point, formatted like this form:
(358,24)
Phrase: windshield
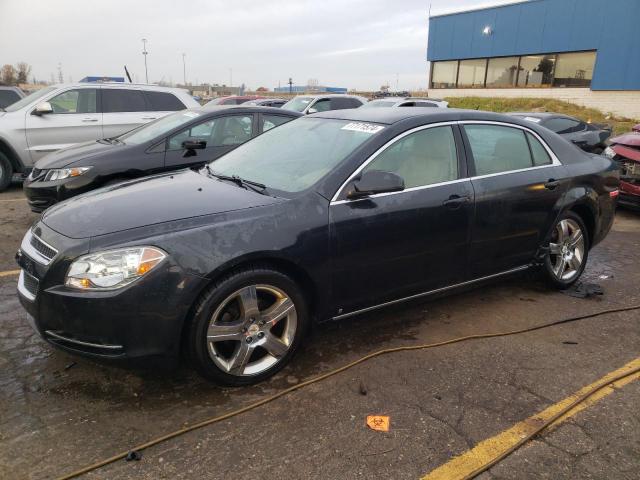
(379,103)
(29,98)
(297,104)
(157,128)
(295,155)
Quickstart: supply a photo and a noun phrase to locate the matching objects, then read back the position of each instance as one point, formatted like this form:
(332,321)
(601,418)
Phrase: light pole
(184,69)
(144,53)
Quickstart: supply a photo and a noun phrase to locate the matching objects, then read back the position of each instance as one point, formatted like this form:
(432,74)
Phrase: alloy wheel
(566,250)
(251,330)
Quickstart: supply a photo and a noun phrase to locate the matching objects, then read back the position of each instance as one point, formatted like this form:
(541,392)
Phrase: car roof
(146,86)
(242,108)
(389,116)
(325,95)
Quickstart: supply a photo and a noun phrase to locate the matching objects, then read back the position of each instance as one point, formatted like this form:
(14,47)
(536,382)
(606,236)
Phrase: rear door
(123,109)
(75,119)
(518,183)
(222,135)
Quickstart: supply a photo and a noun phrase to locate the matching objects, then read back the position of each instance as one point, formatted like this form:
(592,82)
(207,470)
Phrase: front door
(517,184)
(74,119)
(222,135)
(390,246)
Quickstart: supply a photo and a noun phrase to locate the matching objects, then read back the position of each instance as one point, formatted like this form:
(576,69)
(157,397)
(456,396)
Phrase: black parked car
(182,139)
(325,217)
(590,137)
(266,102)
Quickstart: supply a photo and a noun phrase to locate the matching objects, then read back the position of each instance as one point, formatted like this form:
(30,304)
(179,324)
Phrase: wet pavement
(59,412)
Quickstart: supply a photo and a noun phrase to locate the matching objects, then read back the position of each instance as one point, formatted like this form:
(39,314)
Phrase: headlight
(61,173)
(112,269)
(609,153)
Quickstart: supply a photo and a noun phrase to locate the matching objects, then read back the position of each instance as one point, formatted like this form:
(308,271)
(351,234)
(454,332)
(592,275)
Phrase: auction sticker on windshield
(363,127)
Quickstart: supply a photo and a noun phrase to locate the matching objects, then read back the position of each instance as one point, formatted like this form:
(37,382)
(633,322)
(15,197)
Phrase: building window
(528,71)
(574,69)
(444,74)
(536,70)
(471,73)
(501,72)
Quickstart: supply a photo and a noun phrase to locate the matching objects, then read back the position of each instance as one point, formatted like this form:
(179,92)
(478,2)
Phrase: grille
(30,283)
(42,248)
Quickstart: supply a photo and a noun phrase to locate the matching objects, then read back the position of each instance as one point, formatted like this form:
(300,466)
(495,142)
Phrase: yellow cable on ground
(9,273)
(319,378)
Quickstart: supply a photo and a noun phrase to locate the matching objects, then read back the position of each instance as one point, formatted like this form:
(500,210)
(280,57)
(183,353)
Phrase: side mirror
(312,110)
(375,181)
(636,128)
(42,109)
(190,146)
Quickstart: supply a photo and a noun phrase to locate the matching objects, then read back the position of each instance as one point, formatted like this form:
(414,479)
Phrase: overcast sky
(358,44)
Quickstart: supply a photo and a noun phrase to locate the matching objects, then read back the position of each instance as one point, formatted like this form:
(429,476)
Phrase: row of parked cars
(285,219)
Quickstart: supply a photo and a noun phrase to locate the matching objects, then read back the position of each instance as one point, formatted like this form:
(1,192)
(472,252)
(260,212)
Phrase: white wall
(621,104)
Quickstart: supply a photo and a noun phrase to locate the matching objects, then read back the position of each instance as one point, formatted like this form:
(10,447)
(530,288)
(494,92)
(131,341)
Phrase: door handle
(455,201)
(89,119)
(149,118)
(551,184)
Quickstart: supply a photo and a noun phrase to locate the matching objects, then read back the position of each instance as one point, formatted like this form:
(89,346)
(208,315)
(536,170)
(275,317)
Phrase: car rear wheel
(247,327)
(567,252)
(6,172)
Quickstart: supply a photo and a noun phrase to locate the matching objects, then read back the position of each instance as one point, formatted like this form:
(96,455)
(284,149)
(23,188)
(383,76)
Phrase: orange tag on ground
(378,422)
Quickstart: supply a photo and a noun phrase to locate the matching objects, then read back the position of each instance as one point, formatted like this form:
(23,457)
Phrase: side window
(498,149)
(271,121)
(421,158)
(202,131)
(354,103)
(121,100)
(339,103)
(322,105)
(75,101)
(562,125)
(426,104)
(164,102)
(232,130)
(539,153)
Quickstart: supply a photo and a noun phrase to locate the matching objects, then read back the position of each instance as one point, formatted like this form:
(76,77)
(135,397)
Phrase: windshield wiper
(110,140)
(241,182)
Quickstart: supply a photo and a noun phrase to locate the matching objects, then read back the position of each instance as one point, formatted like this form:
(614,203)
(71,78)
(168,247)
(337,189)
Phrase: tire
(257,316)
(6,172)
(567,251)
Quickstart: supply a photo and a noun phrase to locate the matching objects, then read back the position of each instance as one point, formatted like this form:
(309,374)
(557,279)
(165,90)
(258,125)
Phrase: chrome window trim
(27,248)
(23,290)
(431,292)
(555,162)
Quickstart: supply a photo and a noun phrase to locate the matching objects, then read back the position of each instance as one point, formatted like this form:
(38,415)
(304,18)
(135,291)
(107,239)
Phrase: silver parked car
(59,116)
(308,104)
(9,95)
(406,102)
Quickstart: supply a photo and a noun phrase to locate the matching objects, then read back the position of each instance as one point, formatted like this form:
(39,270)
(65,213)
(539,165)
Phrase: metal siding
(482,45)
(548,26)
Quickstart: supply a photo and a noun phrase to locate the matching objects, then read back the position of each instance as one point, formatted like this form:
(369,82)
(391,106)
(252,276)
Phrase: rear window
(7,97)
(122,100)
(164,102)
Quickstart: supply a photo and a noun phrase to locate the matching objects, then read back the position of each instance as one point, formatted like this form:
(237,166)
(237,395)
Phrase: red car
(625,149)
(232,100)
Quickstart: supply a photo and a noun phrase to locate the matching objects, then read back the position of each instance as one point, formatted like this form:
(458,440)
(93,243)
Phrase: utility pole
(290,85)
(231,77)
(184,68)
(60,77)
(144,53)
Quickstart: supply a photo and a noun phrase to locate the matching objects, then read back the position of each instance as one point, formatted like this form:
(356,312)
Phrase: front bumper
(41,195)
(143,319)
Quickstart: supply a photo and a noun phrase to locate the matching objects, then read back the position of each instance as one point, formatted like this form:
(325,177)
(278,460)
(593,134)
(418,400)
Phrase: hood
(2,114)
(148,201)
(631,139)
(81,151)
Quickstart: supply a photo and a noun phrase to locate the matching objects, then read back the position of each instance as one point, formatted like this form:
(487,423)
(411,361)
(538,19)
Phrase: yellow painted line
(9,273)
(488,450)
(12,199)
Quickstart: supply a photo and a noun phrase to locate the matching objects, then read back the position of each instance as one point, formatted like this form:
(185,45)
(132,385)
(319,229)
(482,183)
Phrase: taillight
(614,193)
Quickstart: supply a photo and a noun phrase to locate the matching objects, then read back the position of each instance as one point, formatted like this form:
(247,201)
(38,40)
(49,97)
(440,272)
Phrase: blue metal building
(307,89)
(538,43)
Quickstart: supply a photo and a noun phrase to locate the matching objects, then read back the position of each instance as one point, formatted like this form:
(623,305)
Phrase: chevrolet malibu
(325,217)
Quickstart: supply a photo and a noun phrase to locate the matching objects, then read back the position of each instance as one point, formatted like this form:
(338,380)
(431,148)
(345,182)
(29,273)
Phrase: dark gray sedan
(183,139)
(590,137)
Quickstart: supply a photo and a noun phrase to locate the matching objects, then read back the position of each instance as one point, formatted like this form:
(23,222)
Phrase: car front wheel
(247,327)
(567,252)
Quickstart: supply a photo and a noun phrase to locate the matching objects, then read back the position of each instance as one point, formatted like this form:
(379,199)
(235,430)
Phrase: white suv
(62,115)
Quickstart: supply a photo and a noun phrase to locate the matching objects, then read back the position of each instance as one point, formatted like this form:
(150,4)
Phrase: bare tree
(24,69)
(8,74)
